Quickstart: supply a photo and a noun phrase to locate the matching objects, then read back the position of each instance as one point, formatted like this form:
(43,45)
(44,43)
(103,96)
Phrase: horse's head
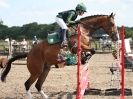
(92,23)
(110,27)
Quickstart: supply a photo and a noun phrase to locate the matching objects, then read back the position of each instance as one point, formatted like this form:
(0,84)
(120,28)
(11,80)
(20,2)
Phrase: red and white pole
(122,62)
(78,96)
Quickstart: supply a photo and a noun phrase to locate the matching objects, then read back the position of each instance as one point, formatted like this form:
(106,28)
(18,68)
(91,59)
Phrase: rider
(67,18)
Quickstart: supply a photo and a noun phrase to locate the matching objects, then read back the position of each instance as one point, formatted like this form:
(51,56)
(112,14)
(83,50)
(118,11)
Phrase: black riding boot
(63,38)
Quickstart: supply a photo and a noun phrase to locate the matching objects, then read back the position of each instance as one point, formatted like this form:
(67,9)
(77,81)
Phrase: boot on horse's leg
(63,38)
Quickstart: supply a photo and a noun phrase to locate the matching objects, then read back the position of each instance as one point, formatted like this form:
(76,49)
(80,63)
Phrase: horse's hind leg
(28,83)
(41,80)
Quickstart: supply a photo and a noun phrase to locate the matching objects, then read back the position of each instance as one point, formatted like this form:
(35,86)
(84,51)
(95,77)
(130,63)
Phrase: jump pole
(122,62)
(82,73)
(78,95)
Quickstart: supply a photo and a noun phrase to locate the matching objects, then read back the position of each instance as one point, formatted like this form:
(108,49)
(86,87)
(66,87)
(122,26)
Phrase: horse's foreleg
(41,80)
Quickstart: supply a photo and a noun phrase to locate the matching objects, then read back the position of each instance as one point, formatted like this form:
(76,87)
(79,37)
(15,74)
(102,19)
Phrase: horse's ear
(112,15)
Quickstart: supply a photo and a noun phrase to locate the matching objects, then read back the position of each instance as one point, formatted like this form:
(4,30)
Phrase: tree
(1,22)
(28,31)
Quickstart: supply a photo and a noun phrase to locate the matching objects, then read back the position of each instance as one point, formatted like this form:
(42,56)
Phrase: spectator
(24,45)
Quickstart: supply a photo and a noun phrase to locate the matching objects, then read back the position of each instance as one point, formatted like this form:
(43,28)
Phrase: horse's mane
(92,16)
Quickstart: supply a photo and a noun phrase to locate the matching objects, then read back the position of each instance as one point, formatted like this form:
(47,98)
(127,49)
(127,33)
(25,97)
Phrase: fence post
(78,64)
(122,62)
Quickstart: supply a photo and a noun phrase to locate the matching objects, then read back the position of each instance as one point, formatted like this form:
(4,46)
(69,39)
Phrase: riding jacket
(68,16)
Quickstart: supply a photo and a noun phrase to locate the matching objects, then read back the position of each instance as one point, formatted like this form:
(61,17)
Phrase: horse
(43,55)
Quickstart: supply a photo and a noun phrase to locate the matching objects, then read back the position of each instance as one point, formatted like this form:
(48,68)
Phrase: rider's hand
(73,23)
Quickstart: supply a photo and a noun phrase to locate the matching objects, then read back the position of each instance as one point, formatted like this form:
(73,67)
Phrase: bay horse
(42,55)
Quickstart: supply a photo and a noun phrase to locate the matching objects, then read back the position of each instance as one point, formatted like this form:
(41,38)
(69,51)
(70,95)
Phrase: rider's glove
(73,23)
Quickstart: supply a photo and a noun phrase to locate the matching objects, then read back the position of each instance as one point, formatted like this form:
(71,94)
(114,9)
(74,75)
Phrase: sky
(20,12)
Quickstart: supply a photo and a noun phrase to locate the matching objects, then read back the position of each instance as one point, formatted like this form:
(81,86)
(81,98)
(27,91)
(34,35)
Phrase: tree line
(28,31)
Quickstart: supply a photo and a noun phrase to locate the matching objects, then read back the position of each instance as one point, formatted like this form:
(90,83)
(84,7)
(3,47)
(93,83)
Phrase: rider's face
(81,13)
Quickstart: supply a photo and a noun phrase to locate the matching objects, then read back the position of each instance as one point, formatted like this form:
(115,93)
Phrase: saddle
(53,38)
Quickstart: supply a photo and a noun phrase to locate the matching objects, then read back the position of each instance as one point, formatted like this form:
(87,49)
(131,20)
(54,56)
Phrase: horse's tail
(8,65)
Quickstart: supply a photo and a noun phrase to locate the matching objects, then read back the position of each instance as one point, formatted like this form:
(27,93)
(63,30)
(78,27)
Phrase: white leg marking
(43,94)
(29,95)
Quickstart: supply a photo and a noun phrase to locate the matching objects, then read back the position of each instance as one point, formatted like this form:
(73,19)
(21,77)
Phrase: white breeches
(61,23)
